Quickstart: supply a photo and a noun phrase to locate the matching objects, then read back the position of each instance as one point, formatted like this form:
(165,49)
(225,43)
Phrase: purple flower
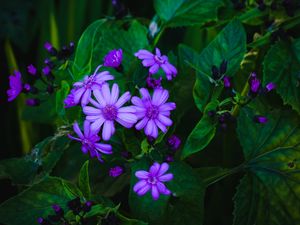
(154,180)
(90,141)
(270,86)
(26,87)
(260,119)
(113,58)
(169,158)
(48,46)
(254,83)
(115,171)
(153,112)
(46,70)
(226,82)
(153,83)
(108,110)
(174,142)
(31,69)
(156,61)
(69,101)
(90,83)
(15,84)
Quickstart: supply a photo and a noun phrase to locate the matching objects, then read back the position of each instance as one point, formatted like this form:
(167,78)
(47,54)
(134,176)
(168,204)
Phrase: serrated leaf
(36,201)
(282,66)
(187,13)
(272,153)
(202,134)
(84,180)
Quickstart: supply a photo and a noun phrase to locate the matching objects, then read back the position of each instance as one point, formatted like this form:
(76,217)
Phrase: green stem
(236,108)
(158,36)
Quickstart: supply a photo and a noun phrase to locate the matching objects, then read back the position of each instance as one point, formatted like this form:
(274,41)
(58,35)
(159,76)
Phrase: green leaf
(229,45)
(37,164)
(187,13)
(210,175)
(84,50)
(187,207)
(202,134)
(126,221)
(272,153)
(102,37)
(84,180)
(284,75)
(61,95)
(36,201)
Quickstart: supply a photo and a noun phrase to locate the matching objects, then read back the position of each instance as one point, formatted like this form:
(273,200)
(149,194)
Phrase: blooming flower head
(90,141)
(15,84)
(115,171)
(154,180)
(90,83)
(254,83)
(153,112)
(156,61)
(108,109)
(113,58)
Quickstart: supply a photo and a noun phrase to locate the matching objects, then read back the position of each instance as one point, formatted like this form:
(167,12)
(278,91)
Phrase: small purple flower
(153,112)
(113,58)
(226,82)
(26,87)
(69,101)
(31,69)
(260,119)
(169,158)
(32,102)
(153,83)
(174,142)
(90,141)
(46,70)
(115,171)
(154,180)
(270,86)
(254,83)
(108,110)
(156,61)
(48,46)
(16,87)
(90,83)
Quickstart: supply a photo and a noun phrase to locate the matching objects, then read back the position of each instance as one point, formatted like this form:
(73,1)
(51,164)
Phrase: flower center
(152,180)
(159,60)
(152,112)
(110,112)
(87,143)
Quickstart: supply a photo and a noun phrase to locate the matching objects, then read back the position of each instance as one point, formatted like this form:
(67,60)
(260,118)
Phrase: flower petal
(163,168)
(160,96)
(108,130)
(148,62)
(123,99)
(144,190)
(127,117)
(145,93)
(78,94)
(166,177)
(91,111)
(96,125)
(142,174)
(154,169)
(86,97)
(165,120)
(137,101)
(162,127)
(139,185)
(86,128)
(104,148)
(114,94)
(127,109)
(167,106)
(153,69)
(77,130)
(140,125)
(105,93)
(149,127)
(98,95)
(155,192)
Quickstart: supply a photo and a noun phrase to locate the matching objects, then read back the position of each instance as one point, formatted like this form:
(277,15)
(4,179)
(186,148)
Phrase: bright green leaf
(282,66)
(187,13)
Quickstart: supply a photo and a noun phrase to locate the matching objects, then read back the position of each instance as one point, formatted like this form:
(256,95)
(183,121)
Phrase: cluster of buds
(173,143)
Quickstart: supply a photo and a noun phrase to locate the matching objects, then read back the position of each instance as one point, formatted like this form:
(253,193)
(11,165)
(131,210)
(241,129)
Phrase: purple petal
(108,130)
(162,127)
(157,52)
(84,149)
(153,69)
(91,111)
(148,62)
(78,94)
(128,117)
(86,128)
(155,192)
(162,188)
(142,174)
(123,99)
(96,125)
(163,168)
(73,138)
(105,93)
(160,96)
(104,148)
(143,190)
(144,54)
(139,185)
(145,93)
(127,109)
(165,120)
(167,106)
(100,99)
(149,127)
(140,125)
(114,94)
(154,169)
(154,133)
(137,101)
(166,177)
(77,130)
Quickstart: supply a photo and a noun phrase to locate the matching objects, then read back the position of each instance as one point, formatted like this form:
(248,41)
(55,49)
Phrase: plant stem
(236,108)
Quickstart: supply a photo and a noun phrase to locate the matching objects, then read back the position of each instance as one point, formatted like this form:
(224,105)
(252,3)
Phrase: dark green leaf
(84,180)
(37,201)
(210,175)
(126,221)
(282,66)
(202,134)
(187,13)
(272,153)
(61,95)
